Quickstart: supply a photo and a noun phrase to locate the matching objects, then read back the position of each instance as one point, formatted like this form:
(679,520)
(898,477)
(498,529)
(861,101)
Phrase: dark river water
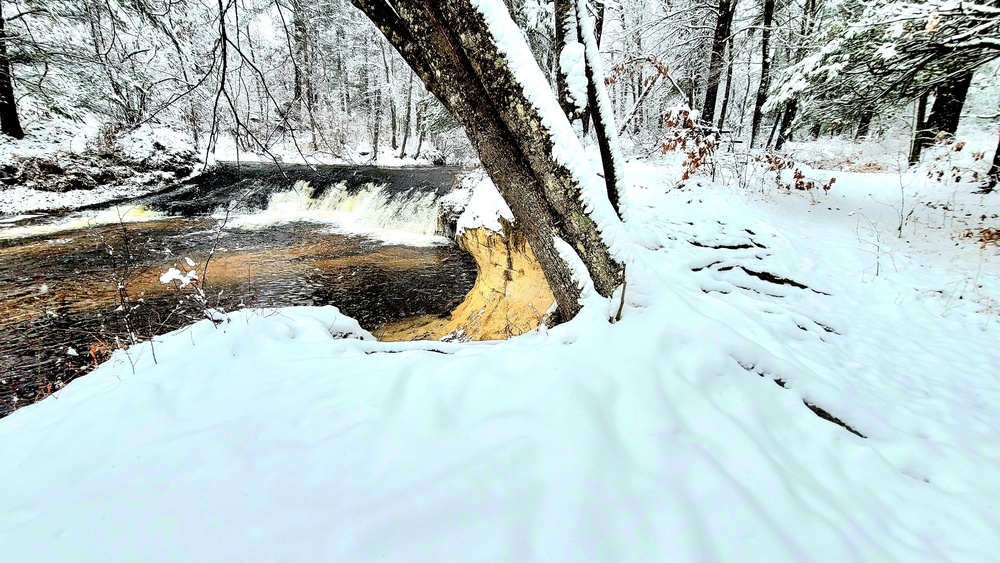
(75,286)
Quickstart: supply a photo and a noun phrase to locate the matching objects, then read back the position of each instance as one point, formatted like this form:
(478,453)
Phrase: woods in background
(319,75)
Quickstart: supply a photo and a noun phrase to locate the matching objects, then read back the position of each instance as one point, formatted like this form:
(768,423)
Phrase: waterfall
(409,214)
(399,205)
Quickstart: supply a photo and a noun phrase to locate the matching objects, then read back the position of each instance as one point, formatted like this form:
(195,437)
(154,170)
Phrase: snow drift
(293,435)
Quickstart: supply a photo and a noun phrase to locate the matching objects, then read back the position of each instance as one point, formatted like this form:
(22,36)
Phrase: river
(76,285)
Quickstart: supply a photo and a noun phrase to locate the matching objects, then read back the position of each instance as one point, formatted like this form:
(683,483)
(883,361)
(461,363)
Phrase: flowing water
(74,286)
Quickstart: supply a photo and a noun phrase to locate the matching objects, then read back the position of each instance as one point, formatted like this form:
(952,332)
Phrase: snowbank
(62,165)
(483,206)
(293,435)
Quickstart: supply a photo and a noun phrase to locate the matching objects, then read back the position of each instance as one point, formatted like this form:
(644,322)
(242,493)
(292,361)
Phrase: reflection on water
(67,292)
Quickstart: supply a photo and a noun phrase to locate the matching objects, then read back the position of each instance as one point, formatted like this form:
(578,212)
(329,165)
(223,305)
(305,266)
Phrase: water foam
(409,217)
(84,220)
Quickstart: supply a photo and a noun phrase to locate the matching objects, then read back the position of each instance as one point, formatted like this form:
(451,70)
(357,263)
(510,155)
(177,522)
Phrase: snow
(46,137)
(173,274)
(141,142)
(571,64)
(294,435)
(17,199)
(297,152)
(485,208)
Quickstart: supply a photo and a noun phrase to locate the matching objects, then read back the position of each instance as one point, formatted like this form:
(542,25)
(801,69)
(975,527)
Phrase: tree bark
(10,123)
(864,124)
(407,116)
(421,125)
(390,83)
(450,46)
(785,127)
(723,27)
(601,111)
(994,173)
(765,71)
(566,33)
(729,84)
(946,111)
(598,33)
(300,35)
(917,145)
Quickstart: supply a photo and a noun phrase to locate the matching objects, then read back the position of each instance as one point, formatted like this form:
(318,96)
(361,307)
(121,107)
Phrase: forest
(319,77)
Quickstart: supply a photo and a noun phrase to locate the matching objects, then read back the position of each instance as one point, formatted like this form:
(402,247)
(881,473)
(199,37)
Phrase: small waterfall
(370,208)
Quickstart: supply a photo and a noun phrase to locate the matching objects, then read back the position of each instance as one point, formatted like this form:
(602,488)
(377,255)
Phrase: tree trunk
(421,125)
(406,117)
(300,35)
(949,98)
(917,145)
(765,71)
(729,84)
(774,129)
(864,124)
(598,32)
(10,123)
(723,26)
(377,125)
(785,128)
(451,47)
(601,111)
(994,173)
(566,34)
(390,82)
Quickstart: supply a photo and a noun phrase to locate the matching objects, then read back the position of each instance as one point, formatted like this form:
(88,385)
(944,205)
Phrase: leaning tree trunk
(452,48)
(765,71)
(723,26)
(10,124)
(598,32)
(601,111)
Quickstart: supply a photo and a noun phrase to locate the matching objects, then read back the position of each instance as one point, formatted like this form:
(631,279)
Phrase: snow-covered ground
(293,435)
(298,152)
(72,146)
